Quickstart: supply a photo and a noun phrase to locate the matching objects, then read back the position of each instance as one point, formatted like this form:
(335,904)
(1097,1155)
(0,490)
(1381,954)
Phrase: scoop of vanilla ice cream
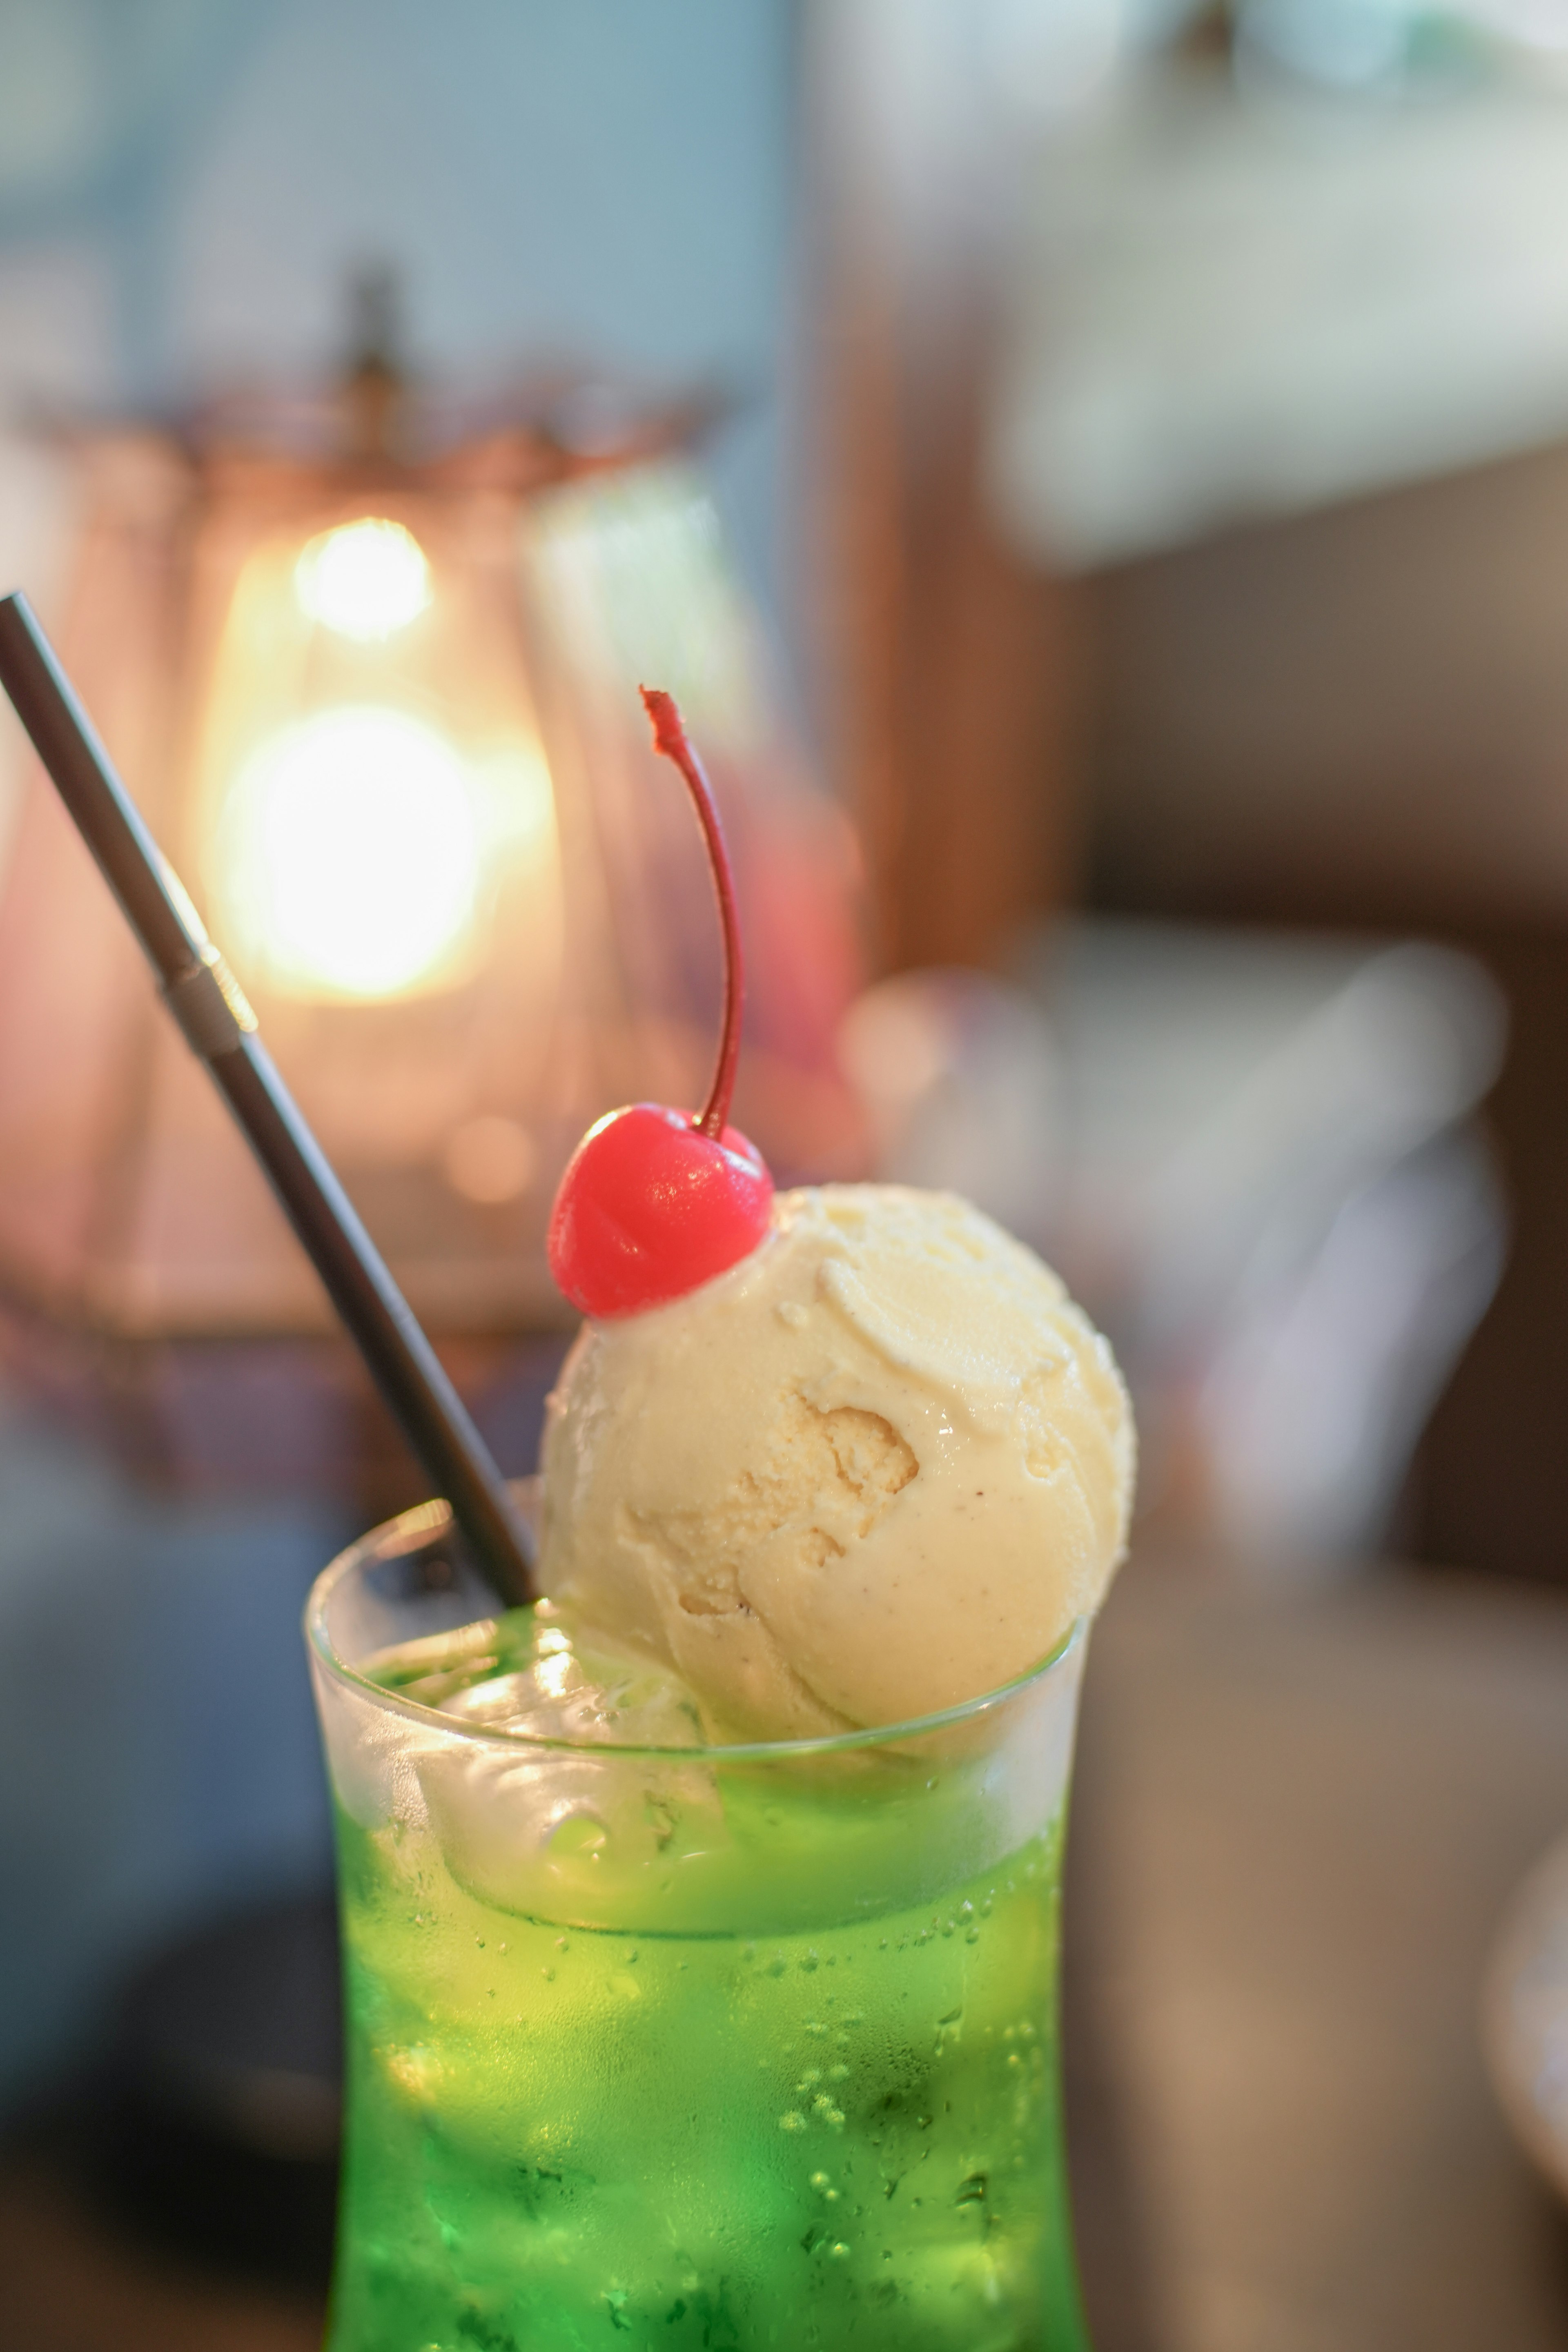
(876,1469)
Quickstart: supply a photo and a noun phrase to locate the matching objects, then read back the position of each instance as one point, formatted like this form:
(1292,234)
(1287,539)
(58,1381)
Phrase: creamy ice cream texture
(876,1469)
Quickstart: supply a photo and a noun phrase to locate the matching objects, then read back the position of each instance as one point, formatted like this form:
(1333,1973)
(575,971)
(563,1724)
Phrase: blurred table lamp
(369,664)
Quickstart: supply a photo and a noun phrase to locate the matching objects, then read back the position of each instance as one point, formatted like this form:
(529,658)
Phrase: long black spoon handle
(210,1007)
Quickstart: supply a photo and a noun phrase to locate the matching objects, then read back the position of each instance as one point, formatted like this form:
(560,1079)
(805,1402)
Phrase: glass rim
(362,1554)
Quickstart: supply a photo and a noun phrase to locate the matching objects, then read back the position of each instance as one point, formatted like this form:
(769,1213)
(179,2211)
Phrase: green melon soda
(653,2043)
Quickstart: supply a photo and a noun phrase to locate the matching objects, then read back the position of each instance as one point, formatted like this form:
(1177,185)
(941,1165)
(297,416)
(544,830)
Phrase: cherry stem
(669,737)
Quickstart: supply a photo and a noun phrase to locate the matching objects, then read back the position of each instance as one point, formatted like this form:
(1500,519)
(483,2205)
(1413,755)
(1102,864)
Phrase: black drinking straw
(220,1027)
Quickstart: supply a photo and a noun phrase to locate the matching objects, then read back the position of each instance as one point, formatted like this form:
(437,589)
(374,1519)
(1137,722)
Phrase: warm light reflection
(491,1159)
(349,855)
(365,579)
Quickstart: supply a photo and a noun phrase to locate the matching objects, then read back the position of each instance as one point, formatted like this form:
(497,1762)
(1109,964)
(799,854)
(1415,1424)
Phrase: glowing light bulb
(349,855)
(365,579)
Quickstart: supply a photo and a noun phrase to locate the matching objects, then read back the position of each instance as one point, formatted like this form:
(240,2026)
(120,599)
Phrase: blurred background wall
(185,189)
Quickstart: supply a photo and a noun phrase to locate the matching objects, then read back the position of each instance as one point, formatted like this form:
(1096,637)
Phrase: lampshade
(371,671)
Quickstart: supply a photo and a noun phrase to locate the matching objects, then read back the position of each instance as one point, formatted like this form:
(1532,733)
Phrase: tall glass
(725,2047)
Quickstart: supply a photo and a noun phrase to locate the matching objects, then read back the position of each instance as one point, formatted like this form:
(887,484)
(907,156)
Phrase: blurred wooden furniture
(945,665)
(70,2282)
(1297,403)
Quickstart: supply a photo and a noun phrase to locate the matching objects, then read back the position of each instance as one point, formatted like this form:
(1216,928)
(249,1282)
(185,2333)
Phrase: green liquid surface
(561,2137)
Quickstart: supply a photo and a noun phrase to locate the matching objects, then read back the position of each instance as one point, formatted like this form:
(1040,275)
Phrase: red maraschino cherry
(654,1201)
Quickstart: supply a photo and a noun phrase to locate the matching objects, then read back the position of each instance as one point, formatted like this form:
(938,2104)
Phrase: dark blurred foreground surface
(1299,1812)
